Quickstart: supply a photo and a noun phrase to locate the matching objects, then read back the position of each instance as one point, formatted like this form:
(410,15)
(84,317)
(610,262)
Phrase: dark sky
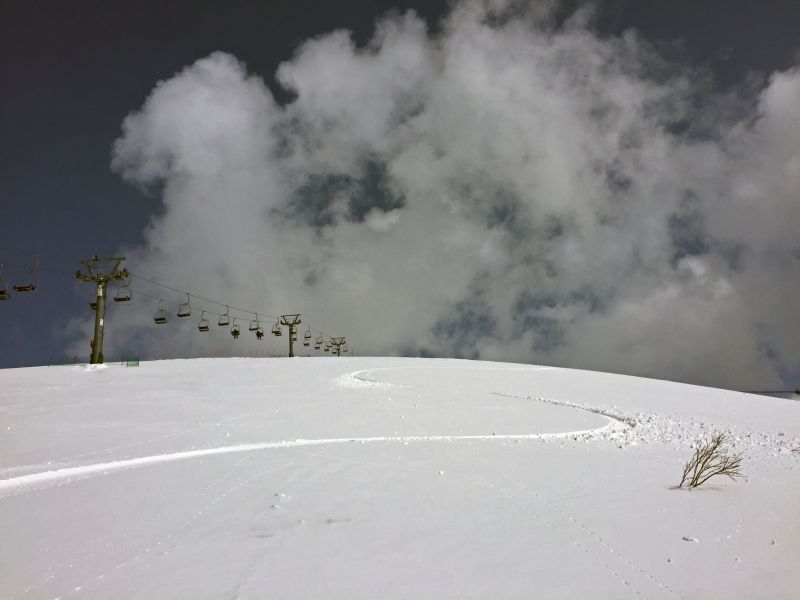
(70,72)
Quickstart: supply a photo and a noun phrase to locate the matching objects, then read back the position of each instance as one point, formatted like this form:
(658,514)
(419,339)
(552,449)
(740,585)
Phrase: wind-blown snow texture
(391,478)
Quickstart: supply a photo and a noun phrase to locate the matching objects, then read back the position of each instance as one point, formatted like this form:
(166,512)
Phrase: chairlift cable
(229,306)
(185,293)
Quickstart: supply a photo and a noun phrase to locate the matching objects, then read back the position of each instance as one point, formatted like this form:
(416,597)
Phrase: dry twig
(710,459)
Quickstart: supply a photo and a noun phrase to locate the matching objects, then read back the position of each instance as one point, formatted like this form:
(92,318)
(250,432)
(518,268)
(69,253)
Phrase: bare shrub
(710,459)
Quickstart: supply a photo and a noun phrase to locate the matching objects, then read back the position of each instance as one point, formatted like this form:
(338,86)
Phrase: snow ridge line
(48,478)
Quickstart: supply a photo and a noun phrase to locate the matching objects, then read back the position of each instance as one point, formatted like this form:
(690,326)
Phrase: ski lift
(124,293)
(276,330)
(235,330)
(260,333)
(224,319)
(202,325)
(254,324)
(318,343)
(307,337)
(185,310)
(31,280)
(160,317)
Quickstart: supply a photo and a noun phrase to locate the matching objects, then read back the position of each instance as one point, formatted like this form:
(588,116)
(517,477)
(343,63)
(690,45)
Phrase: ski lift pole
(291,321)
(101,271)
(338,342)
(99,322)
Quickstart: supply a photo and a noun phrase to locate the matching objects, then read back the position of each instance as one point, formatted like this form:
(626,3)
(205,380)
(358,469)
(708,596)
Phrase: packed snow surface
(387,478)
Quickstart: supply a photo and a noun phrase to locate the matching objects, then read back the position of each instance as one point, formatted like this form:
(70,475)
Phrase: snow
(386,477)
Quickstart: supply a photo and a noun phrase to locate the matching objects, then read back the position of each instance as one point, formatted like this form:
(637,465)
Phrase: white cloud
(501,190)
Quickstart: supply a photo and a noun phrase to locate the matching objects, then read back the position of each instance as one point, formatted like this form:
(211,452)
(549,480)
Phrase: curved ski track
(24,483)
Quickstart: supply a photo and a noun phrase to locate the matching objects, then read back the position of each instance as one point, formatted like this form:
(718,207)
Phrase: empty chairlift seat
(185,309)
(124,294)
(27,286)
(30,280)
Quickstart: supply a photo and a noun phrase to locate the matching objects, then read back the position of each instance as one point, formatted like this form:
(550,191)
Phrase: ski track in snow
(620,566)
(677,431)
(623,429)
(9,487)
(637,427)
(63,462)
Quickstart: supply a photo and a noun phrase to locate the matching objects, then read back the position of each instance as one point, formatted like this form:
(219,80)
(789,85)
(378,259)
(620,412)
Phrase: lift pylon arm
(102,269)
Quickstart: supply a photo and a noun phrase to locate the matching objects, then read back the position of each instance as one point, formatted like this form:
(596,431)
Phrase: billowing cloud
(502,189)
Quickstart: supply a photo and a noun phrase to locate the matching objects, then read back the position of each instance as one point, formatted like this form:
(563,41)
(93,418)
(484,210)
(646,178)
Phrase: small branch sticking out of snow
(710,459)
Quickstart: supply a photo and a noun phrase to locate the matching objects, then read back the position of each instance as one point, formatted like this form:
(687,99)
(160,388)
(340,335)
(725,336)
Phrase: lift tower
(291,321)
(338,342)
(101,271)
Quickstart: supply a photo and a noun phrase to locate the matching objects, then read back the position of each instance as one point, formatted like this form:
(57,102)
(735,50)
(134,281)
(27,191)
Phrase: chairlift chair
(235,331)
(224,319)
(160,317)
(254,324)
(29,284)
(124,294)
(260,333)
(202,325)
(276,330)
(185,310)
(25,287)
(30,281)
(307,337)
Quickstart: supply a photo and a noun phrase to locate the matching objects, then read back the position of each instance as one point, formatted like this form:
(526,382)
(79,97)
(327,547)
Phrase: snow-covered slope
(386,478)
